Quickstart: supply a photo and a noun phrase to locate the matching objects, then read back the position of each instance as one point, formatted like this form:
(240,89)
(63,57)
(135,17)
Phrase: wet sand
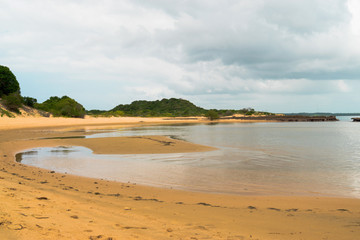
(40,204)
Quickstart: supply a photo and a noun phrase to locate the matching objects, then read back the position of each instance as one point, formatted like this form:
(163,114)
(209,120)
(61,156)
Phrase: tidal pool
(253,158)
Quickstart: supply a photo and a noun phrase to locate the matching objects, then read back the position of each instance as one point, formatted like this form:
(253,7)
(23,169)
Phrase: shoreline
(41,204)
(55,122)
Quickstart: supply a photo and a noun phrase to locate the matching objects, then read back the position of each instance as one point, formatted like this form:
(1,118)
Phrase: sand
(41,204)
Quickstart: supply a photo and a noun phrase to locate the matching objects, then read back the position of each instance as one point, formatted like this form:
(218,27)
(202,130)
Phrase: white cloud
(342,86)
(354,9)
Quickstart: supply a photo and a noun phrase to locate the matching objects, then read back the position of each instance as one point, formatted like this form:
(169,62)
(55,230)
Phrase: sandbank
(41,204)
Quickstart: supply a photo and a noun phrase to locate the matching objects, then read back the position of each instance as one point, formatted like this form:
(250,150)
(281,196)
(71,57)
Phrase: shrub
(62,107)
(12,102)
(6,113)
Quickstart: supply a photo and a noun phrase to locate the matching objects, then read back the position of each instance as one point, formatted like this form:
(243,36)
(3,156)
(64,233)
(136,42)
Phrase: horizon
(275,56)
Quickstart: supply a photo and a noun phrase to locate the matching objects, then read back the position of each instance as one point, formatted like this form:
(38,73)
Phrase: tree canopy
(8,82)
(212,115)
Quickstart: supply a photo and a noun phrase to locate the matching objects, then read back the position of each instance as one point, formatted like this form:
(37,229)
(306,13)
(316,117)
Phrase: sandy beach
(42,204)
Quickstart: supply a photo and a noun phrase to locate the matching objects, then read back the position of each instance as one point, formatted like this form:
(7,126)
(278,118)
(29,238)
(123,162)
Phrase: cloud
(197,49)
(272,39)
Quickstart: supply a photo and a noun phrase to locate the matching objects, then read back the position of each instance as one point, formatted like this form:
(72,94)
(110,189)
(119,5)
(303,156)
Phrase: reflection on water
(68,137)
(20,156)
(253,158)
(346,118)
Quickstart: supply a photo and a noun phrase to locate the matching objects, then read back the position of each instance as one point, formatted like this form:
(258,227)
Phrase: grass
(3,112)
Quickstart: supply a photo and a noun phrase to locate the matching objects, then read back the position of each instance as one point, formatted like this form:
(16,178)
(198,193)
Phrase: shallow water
(253,158)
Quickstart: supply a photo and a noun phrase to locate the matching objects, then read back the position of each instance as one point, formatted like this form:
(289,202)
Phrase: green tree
(29,101)
(8,82)
(212,115)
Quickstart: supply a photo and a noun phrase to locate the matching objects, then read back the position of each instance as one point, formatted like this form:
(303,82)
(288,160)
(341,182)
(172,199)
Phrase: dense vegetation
(9,90)
(172,107)
(29,101)
(12,102)
(8,82)
(62,107)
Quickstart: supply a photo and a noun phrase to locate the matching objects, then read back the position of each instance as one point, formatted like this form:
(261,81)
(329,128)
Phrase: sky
(271,55)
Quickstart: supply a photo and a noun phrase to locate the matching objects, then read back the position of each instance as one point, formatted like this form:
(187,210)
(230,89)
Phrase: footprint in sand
(42,198)
(95,237)
(39,216)
(274,209)
(342,210)
(15,227)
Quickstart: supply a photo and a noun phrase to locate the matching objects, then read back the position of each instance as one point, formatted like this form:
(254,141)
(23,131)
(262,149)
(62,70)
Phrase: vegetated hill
(54,106)
(172,107)
(23,111)
(62,107)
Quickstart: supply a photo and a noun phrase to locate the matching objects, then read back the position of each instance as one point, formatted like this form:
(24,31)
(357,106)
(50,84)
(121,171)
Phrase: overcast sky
(272,55)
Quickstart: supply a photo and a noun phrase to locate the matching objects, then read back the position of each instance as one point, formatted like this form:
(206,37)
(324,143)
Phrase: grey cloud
(270,38)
